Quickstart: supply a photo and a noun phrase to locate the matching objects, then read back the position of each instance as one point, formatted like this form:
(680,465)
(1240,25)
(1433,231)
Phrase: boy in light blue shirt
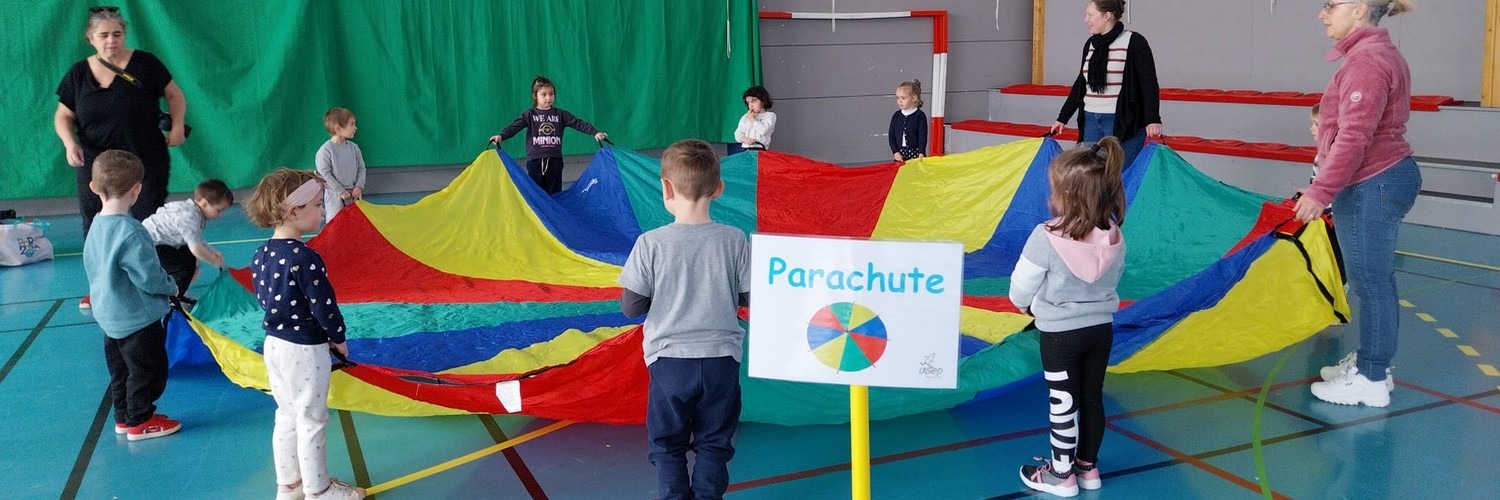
(130,294)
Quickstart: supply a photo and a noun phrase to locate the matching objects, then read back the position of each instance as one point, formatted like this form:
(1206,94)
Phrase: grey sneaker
(1088,476)
(1043,479)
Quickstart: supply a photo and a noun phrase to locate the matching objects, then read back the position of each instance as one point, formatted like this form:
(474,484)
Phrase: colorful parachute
(491,285)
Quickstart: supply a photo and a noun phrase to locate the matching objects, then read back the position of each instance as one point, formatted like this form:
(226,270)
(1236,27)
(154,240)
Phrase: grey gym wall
(834,83)
(1275,44)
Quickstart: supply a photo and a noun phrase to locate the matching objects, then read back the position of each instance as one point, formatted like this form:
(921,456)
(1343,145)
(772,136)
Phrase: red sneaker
(156,426)
(84,304)
(121,428)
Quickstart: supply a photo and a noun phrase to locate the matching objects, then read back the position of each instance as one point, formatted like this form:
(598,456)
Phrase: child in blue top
(1066,277)
(544,126)
(688,277)
(908,132)
(302,323)
(130,294)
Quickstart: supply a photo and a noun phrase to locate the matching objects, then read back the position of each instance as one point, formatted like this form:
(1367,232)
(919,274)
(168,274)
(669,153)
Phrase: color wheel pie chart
(847,337)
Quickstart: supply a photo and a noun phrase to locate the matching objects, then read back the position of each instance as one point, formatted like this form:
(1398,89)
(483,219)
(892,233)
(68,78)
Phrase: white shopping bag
(23,242)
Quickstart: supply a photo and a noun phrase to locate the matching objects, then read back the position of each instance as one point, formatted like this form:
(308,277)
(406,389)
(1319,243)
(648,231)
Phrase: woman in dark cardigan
(1116,88)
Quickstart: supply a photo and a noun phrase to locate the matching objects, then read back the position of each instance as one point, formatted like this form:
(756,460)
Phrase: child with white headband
(302,323)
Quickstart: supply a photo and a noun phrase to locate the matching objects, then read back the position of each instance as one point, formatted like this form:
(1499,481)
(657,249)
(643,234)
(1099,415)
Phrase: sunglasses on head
(103,8)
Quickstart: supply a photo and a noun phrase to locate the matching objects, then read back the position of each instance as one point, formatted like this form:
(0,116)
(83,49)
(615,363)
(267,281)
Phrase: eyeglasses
(1329,6)
(103,8)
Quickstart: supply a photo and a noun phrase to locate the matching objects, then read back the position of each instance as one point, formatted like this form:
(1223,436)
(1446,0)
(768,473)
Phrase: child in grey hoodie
(1066,278)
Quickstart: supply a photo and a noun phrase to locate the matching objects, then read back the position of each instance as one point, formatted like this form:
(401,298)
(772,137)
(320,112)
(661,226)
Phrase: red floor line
(1195,462)
(513,457)
(793,476)
(828,469)
(1450,397)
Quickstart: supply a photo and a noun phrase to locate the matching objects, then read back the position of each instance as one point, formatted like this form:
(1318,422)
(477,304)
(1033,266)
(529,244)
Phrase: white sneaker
(1330,373)
(1353,389)
(339,490)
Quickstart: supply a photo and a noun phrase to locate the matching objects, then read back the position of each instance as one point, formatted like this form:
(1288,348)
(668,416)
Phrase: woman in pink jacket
(1368,176)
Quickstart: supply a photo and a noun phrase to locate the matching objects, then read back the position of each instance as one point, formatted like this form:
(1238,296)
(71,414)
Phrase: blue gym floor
(1184,434)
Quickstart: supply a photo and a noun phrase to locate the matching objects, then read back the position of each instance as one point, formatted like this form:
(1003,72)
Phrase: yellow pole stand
(859,441)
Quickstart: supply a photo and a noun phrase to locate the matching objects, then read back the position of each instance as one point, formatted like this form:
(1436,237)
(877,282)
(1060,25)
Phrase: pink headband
(304,194)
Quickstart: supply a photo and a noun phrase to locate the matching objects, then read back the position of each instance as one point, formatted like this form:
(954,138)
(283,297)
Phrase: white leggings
(299,382)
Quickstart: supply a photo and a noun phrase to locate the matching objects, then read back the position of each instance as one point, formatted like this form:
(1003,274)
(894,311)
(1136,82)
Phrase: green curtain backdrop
(430,80)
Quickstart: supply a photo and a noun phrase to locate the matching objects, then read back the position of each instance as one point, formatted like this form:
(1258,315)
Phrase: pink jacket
(1362,123)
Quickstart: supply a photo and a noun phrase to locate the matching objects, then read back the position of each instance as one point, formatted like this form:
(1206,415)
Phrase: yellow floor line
(1489,370)
(1467,350)
(1427,317)
(1404,303)
(1447,260)
(211,243)
(491,450)
(1447,333)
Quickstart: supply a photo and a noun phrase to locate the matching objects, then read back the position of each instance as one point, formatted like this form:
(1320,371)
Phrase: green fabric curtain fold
(430,80)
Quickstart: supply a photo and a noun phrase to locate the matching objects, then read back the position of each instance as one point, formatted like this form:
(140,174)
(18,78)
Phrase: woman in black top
(99,109)
(1116,88)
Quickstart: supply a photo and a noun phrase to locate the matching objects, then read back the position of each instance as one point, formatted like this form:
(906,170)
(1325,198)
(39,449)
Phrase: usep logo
(847,337)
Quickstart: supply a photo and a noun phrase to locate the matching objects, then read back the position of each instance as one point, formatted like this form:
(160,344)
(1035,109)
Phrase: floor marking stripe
(1447,333)
(26,344)
(1468,350)
(1448,261)
(496,448)
(1427,317)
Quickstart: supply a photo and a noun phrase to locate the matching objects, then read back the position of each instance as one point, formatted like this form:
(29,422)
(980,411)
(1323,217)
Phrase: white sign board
(855,312)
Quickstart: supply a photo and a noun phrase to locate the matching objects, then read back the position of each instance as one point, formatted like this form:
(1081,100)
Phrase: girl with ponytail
(1066,278)
(908,132)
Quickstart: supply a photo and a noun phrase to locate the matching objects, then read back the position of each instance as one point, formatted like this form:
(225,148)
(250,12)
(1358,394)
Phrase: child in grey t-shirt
(689,278)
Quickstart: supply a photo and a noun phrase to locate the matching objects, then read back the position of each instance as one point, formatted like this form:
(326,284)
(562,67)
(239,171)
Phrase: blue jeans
(693,404)
(1098,125)
(1367,215)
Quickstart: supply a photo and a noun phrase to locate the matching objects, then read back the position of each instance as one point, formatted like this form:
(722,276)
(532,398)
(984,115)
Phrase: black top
(122,116)
(914,128)
(292,285)
(544,129)
(1139,103)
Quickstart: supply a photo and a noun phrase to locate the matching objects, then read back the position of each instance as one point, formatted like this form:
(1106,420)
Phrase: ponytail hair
(1116,7)
(1381,8)
(915,87)
(1088,189)
(1399,7)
